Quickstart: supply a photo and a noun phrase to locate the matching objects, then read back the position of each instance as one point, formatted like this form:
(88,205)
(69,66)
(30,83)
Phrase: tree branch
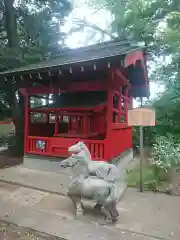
(93,26)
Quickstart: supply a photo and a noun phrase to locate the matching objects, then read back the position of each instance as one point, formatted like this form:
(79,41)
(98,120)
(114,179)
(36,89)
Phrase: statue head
(79,155)
(80,147)
(76,148)
(69,162)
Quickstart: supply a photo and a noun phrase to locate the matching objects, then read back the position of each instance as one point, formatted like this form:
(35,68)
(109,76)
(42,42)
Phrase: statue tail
(111,201)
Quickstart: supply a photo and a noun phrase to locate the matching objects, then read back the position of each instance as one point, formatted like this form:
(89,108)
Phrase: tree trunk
(18,118)
(11,24)
(17,105)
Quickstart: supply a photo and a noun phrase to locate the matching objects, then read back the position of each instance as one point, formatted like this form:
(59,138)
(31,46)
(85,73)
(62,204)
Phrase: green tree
(29,32)
(156,25)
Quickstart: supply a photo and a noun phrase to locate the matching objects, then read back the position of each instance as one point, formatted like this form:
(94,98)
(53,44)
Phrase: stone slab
(36,179)
(150,213)
(143,216)
(66,228)
(48,176)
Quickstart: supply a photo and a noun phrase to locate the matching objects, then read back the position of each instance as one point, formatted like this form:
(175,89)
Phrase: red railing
(47,146)
(96,149)
(32,145)
(78,124)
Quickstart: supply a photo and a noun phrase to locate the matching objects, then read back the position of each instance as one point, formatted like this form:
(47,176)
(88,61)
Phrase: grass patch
(159,182)
(150,180)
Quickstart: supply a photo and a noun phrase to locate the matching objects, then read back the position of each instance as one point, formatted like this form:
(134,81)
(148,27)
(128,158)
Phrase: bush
(149,136)
(165,157)
(164,161)
(166,153)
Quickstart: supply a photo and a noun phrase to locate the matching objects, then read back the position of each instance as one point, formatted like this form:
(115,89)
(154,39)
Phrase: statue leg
(110,203)
(111,211)
(77,204)
(79,207)
(105,211)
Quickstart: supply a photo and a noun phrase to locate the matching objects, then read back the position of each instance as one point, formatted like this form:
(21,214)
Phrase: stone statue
(101,169)
(105,193)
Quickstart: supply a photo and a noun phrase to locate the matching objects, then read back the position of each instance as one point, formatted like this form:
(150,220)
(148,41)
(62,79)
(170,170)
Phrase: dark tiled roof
(83,54)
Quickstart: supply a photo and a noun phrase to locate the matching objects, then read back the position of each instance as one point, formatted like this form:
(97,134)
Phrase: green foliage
(137,19)
(167,111)
(149,136)
(149,177)
(156,25)
(29,32)
(135,136)
(158,171)
(38,34)
(166,154)
(38,30)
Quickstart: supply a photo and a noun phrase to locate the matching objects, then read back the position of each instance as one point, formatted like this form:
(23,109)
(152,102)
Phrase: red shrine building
(90,91)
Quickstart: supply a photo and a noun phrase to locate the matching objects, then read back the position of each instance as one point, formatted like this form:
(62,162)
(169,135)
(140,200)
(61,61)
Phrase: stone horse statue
(106,194)
(101,169)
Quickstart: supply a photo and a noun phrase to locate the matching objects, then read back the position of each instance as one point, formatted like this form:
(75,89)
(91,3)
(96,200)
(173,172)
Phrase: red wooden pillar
(26,125)
(74,128)
(109,118)
(126,103)
(70,123)
(86,125)
(109,112)
(106,151)
(120,103)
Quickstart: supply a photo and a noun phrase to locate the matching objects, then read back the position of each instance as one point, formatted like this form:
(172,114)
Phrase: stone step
(47,175)
(62,227)
(41,180)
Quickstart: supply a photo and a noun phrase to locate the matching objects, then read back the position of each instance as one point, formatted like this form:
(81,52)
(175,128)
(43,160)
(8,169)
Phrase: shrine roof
(67,57)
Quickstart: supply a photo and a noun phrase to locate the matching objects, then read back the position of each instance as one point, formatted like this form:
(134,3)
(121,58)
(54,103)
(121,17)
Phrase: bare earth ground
(10,231)
(146,216)
(7,160)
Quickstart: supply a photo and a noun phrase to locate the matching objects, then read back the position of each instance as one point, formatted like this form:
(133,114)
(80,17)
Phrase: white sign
(141,117)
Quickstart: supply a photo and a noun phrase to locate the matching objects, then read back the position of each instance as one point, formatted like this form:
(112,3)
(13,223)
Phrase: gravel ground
(12,232)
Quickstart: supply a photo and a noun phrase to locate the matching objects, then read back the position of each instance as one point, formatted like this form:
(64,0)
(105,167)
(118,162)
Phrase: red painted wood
(122,78)
(122,142)
(76,135)
(110,104)
(26,124)
(131,58)
(59,146)
(84,109)
(74,87)
(94,126)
